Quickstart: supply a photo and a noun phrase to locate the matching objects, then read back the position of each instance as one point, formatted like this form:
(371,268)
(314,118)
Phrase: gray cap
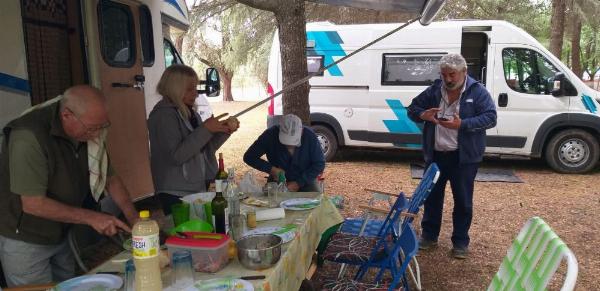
(290,130)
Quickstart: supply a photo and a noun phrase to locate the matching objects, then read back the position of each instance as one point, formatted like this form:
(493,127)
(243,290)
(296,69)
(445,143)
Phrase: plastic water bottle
(146,248)
(282,187)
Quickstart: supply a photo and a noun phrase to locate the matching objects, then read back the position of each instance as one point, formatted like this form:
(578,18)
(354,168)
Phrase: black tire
(328,141)
(572,151)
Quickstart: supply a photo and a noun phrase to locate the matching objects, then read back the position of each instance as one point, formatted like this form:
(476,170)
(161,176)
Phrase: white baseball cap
(290,130)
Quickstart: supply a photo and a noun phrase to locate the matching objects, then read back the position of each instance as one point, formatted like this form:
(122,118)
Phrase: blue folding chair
(355,249)
(365,226)
(359,231)
(388,254)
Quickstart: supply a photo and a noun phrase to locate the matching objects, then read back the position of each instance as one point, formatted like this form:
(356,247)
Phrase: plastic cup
(180,213)
(208,214)
(183,273)
(129,276)
(272,193)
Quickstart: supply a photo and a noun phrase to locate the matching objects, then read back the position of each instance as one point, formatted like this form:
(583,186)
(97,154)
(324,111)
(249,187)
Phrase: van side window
(171,55)
(410,70)
(314,64)
(116,34)
(147,36)
(527,71)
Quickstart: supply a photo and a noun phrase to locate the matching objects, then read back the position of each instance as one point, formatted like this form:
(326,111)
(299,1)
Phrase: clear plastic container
(209,250)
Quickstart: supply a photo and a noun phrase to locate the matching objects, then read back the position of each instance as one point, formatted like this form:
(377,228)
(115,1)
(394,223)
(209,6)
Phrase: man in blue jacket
(456,112)
(290,148)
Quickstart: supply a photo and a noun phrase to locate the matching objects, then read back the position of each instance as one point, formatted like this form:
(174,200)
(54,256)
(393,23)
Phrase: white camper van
(119,46)
(544,110)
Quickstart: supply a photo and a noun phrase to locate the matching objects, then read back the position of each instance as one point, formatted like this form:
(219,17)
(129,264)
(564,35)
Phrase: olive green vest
(68,177)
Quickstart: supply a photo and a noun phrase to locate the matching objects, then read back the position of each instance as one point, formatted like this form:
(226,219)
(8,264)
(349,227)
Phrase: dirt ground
(570,204)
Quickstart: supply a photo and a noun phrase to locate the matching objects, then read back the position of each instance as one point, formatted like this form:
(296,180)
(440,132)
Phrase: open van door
(113,33)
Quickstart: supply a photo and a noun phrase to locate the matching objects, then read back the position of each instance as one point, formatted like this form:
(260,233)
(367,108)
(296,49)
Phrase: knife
(197,236)
(258,277)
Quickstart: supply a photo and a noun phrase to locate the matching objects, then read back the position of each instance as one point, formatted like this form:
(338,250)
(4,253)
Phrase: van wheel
(572,151)
(327,140)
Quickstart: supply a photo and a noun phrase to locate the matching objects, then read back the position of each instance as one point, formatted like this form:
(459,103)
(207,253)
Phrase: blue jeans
(26,263)
(462,180)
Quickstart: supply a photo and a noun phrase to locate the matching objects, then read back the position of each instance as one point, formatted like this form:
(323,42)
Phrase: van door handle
(502,100)
(121,85)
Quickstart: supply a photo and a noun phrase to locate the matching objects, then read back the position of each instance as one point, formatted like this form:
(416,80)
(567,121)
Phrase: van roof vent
(476,28)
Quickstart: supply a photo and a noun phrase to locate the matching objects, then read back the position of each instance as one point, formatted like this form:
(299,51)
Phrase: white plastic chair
(533,259)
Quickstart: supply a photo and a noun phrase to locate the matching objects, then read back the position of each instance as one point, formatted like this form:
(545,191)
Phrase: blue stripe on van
(589,103)
(14,83)
(403,124)
(328,44)
(176,5)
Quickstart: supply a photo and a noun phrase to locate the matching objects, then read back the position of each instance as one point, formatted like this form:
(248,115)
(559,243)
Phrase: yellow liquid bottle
(146,248)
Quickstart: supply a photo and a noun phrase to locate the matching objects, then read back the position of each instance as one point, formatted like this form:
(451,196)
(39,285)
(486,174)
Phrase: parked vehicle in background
(544,110)
(119,46)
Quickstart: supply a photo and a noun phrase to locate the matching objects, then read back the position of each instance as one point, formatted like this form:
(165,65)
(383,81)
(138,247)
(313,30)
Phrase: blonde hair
(173,83)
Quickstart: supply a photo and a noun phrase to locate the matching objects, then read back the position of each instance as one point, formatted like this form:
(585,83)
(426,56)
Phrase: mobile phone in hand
(443,118)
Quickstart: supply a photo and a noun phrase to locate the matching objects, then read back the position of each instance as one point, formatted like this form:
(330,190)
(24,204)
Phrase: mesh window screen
(48,55)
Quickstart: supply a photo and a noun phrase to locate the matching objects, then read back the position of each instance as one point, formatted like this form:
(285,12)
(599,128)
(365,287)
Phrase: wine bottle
(221,174)
(219,206)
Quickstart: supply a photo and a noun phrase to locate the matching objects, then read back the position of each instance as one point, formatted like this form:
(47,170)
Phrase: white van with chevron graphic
(544,110)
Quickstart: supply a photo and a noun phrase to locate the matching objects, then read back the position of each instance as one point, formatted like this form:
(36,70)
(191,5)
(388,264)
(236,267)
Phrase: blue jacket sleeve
(253,155)
(317,161)
(420,103)
(485,113)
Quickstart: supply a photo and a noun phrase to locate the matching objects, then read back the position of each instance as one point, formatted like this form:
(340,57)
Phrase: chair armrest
(374,209)
(386,193)
(385,211)
(381,192)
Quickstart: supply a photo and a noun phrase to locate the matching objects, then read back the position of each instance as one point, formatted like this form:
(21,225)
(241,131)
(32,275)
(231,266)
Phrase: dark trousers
(462,179)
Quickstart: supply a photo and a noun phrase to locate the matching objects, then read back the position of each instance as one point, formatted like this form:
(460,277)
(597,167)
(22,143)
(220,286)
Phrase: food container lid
(199,240)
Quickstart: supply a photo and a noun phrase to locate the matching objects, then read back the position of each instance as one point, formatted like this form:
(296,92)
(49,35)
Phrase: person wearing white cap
(291,148)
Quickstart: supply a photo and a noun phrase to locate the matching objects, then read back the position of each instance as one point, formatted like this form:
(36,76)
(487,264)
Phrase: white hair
(454,62)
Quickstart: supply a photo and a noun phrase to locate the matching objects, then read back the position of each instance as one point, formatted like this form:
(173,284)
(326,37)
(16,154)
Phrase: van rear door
(117,69)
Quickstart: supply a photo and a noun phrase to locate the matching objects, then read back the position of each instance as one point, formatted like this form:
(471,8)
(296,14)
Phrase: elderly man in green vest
(48,168)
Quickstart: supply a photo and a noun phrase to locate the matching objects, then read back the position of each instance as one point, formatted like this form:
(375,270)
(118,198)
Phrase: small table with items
(296,255)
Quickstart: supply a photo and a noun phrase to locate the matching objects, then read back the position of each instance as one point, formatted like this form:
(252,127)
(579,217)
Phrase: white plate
(295,203)
(221,284)
(285,237)
(95,282)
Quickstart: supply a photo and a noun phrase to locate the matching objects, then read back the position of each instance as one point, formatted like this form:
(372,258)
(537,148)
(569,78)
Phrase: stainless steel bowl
(260,251)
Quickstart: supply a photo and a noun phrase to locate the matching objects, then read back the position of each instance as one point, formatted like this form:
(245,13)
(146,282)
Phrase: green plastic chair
(533,259)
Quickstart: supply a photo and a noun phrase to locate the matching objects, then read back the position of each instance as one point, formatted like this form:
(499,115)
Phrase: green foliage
(590,49)
(227,35)
(533,16)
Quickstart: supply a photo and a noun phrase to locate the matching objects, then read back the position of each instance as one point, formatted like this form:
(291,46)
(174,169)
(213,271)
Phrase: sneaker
(425,244)
(460,252)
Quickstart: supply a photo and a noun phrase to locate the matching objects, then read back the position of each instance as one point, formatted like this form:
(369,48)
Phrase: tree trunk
(557,27)
(576,48)
(291,22)
(227,94)
(179,42)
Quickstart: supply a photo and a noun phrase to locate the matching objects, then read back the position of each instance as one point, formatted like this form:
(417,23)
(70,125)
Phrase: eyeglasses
(90,129)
